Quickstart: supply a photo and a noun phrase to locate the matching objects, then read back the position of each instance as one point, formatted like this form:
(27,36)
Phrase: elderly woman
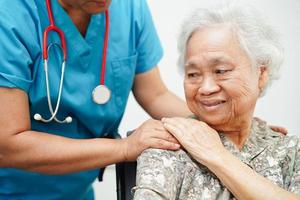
(230,56)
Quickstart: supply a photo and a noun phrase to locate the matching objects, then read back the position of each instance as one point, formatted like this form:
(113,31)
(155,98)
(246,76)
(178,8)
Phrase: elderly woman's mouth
(212,104)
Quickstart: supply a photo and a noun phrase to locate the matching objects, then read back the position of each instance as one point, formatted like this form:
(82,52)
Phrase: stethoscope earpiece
(38,117)
(68,120)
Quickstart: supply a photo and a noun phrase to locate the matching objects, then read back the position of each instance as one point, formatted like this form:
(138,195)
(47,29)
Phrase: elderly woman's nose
(208,86)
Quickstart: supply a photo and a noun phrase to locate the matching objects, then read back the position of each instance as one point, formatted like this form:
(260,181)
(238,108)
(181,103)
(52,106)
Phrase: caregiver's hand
(200,140)
(151,134)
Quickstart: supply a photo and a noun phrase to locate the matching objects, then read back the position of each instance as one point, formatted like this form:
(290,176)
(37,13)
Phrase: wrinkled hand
(151,134)
(200,140)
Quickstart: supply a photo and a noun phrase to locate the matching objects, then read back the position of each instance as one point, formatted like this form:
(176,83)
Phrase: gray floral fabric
(174,175)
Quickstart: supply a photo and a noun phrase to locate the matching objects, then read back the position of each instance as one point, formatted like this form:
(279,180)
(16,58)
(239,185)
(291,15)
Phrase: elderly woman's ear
(263,77)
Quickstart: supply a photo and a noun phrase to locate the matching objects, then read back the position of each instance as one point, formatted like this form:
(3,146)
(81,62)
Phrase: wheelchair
(125,175)
(125,179)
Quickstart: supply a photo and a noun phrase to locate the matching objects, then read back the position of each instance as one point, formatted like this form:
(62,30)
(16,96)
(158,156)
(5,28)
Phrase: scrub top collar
(80,46)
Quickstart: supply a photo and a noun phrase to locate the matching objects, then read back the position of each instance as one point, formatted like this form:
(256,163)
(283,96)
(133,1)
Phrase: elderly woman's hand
(200,140)
(151,134)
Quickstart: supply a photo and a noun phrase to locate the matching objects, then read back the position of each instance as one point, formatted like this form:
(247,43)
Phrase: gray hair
(258,39)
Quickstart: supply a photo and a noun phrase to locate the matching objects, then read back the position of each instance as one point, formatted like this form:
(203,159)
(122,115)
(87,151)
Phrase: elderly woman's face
(88,6)
(220,84)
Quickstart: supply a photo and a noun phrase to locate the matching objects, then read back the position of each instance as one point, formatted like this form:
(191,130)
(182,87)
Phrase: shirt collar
(260,137)
(77,45)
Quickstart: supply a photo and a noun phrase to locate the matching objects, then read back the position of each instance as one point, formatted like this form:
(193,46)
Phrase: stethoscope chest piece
(101,94)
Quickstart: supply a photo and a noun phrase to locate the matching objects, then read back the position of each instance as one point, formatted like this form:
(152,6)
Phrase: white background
(280,104)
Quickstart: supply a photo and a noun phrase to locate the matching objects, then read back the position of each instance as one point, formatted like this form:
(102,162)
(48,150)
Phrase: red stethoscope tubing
(105,45)
(53,27)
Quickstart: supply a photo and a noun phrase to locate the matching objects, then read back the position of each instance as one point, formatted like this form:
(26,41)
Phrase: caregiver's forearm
(51,154)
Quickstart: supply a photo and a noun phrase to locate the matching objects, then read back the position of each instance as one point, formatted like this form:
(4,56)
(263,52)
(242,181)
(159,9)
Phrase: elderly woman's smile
(212,104)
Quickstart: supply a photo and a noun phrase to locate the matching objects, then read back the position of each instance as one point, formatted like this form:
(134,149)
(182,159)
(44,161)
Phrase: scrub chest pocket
(123,73)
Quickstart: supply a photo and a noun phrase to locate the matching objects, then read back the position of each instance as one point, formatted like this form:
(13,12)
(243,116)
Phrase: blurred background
(280,104)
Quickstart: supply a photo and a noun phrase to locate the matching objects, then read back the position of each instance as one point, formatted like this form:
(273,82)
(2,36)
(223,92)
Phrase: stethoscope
(101,94)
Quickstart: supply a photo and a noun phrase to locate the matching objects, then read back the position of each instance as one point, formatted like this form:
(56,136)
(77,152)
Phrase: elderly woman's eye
(192,75)
(221,71)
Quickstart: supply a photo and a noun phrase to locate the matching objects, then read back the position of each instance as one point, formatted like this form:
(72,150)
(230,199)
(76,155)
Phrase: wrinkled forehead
(208,59)
(213,45)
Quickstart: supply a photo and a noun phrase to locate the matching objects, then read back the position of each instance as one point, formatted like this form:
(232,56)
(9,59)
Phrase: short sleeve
(295,176)
(16,35)
(149,48)
(158,175)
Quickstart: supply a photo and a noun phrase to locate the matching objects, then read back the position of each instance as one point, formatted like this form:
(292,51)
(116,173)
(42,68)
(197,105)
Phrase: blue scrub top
(133,48)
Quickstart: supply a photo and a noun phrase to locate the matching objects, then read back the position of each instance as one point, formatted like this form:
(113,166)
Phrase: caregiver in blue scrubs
(60,161)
